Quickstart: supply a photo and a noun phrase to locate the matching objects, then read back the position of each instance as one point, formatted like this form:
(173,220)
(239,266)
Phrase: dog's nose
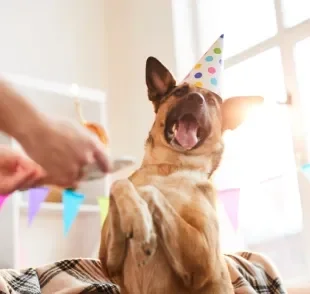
(195,98)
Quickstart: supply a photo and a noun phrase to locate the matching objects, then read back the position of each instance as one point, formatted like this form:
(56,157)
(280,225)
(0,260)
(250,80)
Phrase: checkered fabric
(250,273)
(66,276)
(254,273)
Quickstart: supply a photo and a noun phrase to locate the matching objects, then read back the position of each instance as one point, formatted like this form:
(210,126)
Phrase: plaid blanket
(250,273)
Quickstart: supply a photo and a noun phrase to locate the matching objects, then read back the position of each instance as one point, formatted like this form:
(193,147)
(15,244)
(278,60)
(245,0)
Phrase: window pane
(295,11)
(183,37)
(245,23)
(302,58)
(260,75)
(259,158)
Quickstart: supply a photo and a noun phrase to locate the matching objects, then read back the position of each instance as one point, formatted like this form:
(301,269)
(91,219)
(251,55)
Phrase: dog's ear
(234,110)
(159,80)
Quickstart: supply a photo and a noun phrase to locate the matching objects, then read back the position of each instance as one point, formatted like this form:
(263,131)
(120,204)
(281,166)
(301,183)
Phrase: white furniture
(44,241)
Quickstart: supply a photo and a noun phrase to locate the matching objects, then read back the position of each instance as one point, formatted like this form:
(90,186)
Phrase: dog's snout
(195,98)
(193,103)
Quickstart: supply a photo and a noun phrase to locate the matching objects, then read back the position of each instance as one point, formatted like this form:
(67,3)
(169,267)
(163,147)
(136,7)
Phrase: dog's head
(190,120)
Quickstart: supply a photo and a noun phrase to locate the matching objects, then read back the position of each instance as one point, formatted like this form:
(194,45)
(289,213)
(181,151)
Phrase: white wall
(58,40)
(134,31)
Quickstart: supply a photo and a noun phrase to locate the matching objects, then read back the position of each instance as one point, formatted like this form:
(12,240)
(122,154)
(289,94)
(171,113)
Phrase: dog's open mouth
(184,132)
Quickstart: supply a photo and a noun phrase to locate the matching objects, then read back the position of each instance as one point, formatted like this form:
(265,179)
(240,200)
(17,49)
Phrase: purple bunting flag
(230,199)
(35,197)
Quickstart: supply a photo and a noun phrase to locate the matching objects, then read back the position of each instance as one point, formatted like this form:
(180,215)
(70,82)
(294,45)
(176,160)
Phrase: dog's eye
(211,101)
(181,91)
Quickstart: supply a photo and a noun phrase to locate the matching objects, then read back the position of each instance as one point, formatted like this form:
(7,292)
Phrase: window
(243,25)
(267,45)
(302,57)
(295,11)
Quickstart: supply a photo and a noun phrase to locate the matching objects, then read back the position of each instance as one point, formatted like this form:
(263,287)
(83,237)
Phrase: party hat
(208,71)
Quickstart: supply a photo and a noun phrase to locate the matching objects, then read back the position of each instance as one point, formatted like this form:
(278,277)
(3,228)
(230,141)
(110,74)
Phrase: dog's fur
(161,235)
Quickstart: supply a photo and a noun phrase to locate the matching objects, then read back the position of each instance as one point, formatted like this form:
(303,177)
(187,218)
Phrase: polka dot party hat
(207,73)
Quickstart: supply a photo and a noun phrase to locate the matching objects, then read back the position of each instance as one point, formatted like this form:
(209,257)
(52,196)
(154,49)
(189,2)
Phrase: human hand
(17,172)
(63,149)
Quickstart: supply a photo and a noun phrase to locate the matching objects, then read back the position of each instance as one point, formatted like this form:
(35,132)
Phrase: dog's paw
(143,252)
(135,218)
(137,222)
(140,230)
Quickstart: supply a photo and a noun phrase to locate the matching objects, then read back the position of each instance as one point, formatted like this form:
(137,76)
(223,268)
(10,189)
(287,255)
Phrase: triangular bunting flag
(306,170)
(35,197)
(72,202)
(104,207)
(230,200)
(231,241)
(2,199)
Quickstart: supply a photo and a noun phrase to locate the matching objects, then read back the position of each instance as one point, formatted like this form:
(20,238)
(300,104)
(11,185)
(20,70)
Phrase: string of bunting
(72,201)
(230,198)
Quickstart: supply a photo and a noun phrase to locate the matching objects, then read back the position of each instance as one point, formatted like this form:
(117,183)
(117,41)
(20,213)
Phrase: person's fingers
(15,181)
(9,162)
(81,174)
(35,172)
(47,180)
(50,181)
(73,186)
(86,157)
(29,164)
(102,159)
(32,182)
(61,180)
(29,184)
(72,175)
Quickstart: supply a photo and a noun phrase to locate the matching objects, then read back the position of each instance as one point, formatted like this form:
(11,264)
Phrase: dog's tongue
(186,133)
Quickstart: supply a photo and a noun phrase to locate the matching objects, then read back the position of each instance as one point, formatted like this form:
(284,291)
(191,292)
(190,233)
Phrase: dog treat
(92,172)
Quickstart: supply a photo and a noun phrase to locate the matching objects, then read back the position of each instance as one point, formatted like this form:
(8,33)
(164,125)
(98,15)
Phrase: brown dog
(161,235)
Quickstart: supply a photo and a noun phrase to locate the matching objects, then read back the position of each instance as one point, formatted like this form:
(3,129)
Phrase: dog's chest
(180,186)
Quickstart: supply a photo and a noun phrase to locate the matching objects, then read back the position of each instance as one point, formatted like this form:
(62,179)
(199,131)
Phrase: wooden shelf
(58,207)
(65,90)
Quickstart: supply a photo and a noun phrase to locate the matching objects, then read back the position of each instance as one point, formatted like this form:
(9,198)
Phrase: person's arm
(17,115)
(62,148)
